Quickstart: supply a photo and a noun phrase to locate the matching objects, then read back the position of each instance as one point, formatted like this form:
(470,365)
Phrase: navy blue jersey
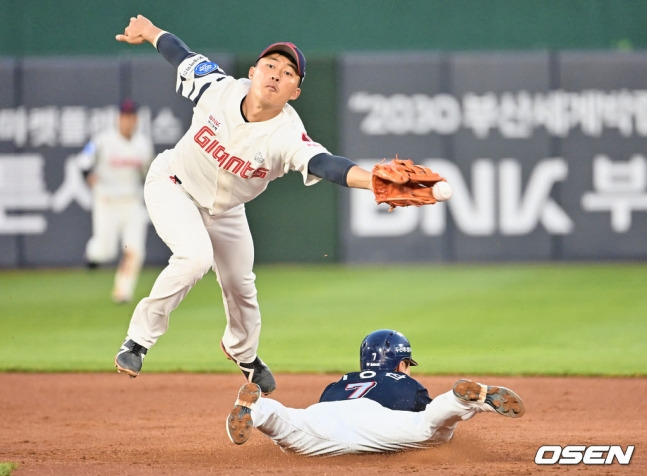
(393,390)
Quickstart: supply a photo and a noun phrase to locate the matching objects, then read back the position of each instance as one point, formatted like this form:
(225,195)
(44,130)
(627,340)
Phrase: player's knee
(196,261)
(243,286)
(101,254)
(133,255)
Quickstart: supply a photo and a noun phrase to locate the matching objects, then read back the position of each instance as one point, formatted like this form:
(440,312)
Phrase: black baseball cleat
(239,422)
(130,358)
(502,400)
(255,372)
(258,373)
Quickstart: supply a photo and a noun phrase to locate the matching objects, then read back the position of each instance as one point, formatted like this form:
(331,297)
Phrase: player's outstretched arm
(359,178)
(339,170)
(139,30)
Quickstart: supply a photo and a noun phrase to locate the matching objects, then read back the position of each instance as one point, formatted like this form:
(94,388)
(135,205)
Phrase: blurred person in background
(114,164)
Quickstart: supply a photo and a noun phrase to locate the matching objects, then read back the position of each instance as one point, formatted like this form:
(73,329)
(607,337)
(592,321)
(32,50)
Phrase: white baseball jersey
(118,163)
(223,161)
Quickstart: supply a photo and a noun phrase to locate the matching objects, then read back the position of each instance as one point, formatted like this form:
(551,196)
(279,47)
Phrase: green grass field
(566,319)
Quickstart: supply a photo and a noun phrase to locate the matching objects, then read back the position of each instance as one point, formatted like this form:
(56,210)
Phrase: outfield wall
(545,152)
(72,27)
(52,108)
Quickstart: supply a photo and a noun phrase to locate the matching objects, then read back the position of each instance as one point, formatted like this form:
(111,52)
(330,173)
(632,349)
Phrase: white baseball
(442,191)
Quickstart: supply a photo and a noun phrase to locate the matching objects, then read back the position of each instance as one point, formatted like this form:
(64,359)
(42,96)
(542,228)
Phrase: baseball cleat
(119,298)
(502,400)
(239,422)
(255,372)
(130,358)
(92,264)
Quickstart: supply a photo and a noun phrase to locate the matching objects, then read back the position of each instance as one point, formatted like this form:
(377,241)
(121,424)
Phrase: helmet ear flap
(362,353)
(390,356)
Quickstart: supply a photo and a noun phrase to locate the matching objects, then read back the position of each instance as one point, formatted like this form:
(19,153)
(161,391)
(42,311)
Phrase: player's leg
(466,399)
(179,224)
(233,264)
(239,422)
(363,426)
(491,398)
(103,246)
(328,428)
(287,427)
(134,228)
(350,426)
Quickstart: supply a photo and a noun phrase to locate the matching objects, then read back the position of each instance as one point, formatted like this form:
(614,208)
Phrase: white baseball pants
(198,242)
(115,220)
(361,425)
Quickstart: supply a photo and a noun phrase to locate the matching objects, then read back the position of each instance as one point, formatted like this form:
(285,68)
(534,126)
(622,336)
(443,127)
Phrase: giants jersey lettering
(205,139)
(393,390)
(224,161)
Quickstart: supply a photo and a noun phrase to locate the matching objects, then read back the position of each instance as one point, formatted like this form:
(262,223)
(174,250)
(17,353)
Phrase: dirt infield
(106,424)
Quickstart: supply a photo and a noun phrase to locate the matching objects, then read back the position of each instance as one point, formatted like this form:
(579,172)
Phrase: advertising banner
(545,153)
(52,108)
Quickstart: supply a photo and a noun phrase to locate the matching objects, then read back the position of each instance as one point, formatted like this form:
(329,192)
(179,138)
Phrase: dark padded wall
(71,27)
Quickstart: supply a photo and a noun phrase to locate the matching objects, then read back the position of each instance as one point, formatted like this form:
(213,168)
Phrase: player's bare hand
(139,30)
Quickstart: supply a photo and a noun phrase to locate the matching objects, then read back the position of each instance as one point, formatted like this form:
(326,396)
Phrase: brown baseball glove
(401,183)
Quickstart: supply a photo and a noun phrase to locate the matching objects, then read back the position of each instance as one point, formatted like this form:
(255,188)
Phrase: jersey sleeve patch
(205,68)
(90,148)
(190,63)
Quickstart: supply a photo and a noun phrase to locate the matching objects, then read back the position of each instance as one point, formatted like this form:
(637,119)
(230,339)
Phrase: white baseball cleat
(239,422)
(503,400)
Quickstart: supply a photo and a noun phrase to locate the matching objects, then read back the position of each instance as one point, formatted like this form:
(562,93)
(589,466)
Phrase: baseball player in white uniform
(379,409)
(114,164)
(243,135)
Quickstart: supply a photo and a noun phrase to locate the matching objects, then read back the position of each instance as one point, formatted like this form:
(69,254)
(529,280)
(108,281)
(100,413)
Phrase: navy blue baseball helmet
(384,350)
